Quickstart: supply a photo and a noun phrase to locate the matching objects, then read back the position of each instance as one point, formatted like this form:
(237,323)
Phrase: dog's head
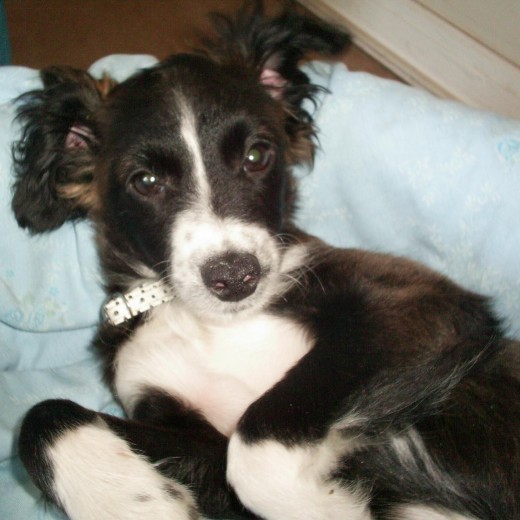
(184,167)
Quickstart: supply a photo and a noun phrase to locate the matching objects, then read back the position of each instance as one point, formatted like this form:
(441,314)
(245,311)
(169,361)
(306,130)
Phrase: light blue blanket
(398,171)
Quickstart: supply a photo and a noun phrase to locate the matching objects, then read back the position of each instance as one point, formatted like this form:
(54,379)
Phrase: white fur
(426,513)
(276,481)
(217,368)
(191,138)
(97,477)
(410,448)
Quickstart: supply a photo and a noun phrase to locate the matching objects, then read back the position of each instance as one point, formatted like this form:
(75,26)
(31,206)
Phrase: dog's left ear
(274,48)
(279,46)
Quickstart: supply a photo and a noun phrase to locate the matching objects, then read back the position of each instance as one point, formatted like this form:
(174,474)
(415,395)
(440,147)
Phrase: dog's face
(184,167)
(194,181)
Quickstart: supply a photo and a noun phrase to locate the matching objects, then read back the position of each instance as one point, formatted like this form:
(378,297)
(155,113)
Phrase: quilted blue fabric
(398,171)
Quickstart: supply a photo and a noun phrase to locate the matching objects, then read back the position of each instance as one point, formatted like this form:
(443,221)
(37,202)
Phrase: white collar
(123,307)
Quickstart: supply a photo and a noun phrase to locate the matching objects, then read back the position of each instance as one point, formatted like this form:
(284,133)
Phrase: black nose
(231,277)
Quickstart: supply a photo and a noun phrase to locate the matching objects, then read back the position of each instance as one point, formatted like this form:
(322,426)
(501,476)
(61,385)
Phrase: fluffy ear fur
(274,48)
(54,159)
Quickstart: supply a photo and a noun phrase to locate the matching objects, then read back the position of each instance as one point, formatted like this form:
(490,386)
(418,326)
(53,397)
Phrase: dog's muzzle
(231,277)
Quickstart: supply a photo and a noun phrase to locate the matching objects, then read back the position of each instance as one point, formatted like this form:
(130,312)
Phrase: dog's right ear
(55,156)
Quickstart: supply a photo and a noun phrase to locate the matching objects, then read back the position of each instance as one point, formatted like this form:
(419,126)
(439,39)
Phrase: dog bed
(397,171)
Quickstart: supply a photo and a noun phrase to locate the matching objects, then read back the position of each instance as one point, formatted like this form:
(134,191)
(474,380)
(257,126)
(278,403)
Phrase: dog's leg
(80,463)
(277,480)
(96,466)
(284,454)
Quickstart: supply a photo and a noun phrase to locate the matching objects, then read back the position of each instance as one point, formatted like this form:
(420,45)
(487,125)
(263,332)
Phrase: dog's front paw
(41,428)
(82,465)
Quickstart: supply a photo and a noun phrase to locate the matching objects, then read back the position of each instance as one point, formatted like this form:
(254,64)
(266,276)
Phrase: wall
(415,39)
(495,23)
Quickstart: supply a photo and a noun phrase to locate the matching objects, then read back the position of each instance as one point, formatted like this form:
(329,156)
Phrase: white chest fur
(218,369)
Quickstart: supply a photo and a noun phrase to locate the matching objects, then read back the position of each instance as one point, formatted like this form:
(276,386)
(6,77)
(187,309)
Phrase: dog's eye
(147,184)
(258,158)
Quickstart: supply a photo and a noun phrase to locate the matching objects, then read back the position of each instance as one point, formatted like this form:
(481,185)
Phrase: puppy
(263,373)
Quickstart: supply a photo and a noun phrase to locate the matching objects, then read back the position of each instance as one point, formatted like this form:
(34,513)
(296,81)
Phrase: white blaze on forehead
(191,138)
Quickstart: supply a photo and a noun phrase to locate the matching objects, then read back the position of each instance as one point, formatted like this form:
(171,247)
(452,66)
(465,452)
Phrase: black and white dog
(263,372)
